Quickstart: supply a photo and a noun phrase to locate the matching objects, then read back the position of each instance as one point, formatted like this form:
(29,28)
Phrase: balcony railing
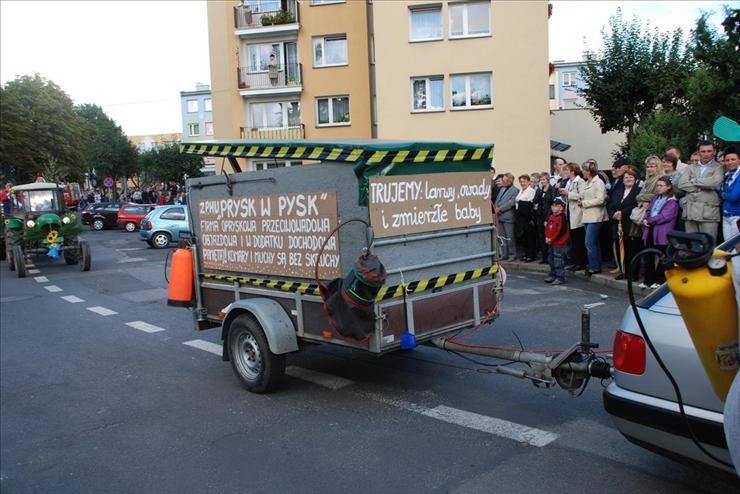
(274,133)
(247,17)
(286,76)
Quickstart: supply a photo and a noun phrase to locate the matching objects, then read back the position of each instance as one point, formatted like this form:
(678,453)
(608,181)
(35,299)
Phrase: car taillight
(148,225)
(629,353)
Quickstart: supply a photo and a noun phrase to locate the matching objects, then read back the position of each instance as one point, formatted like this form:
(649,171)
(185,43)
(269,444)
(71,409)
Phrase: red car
(130,215)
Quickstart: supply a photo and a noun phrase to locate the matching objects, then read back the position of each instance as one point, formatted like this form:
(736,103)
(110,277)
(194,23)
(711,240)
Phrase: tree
(661,129)
(638,71)
(38,129)
(107,148)
(166,164)
(714,89)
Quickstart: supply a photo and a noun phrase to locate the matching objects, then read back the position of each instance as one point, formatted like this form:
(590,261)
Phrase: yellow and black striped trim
(385,293)
(339,154)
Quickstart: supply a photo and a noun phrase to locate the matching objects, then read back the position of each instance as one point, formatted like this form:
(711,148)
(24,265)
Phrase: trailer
(378,246)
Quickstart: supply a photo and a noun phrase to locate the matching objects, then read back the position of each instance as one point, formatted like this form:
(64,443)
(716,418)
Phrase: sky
(134,57)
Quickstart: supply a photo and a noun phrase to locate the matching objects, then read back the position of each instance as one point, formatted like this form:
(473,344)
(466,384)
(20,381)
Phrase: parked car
(101,215)
(642,401)
(164,225)
(130,215)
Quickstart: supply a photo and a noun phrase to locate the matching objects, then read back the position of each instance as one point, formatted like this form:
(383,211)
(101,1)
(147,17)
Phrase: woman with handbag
(660,218)
(592,200)
(620,212)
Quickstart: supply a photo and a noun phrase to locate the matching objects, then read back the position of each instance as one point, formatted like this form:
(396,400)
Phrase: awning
(559,146)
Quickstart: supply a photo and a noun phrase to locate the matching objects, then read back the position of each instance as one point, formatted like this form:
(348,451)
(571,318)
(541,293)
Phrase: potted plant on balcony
(283,17)
(267,20)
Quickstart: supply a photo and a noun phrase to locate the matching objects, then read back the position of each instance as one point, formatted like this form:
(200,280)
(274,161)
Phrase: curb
(535,267)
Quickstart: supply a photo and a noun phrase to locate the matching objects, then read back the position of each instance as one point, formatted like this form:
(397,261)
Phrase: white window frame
(331,111)
(468,94)
(257,7)
(428,80)
(284,114)
(264,165)
(322,40)
(190,106)
(326,2)
(279,56)
(435,8)
(193,129)
(570,81)
(208,104)
(465,21)
(209,128)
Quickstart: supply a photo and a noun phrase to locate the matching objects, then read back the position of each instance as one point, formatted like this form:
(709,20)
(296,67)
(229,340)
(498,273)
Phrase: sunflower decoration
(53,245)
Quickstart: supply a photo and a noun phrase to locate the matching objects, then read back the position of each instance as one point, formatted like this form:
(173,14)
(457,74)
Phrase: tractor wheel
(84,256)
(19,261)
(72,256)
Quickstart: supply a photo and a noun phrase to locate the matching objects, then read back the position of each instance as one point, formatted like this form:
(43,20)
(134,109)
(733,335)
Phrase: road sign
(108,182)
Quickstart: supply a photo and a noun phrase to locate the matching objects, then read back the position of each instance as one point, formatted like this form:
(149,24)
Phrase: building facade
(471,71)
(196,108)
(148,142)
(566,84)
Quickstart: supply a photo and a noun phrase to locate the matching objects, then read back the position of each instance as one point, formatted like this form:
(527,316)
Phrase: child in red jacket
(556,236)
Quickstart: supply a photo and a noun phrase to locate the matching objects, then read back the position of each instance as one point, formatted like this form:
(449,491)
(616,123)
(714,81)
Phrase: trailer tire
(258,369)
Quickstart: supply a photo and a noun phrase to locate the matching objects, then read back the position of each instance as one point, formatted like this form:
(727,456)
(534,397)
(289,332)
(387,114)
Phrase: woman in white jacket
(571,193)
(593,200)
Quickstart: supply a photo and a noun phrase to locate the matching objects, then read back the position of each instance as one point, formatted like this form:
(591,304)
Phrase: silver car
(641,399)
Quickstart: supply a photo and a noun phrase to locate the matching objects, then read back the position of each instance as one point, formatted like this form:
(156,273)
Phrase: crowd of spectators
(159,194)
(582,218)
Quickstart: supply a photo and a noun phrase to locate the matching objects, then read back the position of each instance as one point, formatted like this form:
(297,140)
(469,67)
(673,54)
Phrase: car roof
(37,186)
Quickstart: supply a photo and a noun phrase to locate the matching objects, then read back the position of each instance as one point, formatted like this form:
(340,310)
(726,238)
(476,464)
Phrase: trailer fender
(275,322)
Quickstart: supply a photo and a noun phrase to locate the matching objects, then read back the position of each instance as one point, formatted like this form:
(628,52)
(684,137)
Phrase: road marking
(72,299)
(146,327)
(30,265)
(41,279)
(497,427)
(131,259)
(326,380)
(53,288)
(102,311)
(206,346)
(34,271)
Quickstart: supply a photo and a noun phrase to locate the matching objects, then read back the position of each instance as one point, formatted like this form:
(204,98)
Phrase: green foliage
(638,70)
(168,165)
(657,132)
(37,125)
(107,149)
(68,232)
(714,89)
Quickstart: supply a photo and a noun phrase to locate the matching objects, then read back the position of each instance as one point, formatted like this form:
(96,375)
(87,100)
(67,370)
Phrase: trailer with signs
(375,245)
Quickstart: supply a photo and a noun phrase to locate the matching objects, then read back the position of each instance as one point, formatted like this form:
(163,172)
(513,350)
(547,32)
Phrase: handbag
(637,216)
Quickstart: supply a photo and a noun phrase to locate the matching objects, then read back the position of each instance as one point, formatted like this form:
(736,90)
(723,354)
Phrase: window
(276,115)
(209,128)
(569,78)
(134,210)
(173,214)
(552,91)
(259,56)
(425,24)
(325,2)
(208,104)
(332,111)
(470,19)
(193,129)
(267,165)
(471,91)
(330,50)
(428,93)
(192,106)
(264,5)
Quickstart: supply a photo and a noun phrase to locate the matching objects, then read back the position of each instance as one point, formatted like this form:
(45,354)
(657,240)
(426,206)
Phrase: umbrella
(620,234)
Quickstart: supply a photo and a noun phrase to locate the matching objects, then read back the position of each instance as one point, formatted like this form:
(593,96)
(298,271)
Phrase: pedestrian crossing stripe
(385,293)
(357,155)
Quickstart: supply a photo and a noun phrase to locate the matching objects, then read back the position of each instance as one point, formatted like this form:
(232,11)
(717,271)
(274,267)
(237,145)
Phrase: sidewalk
(536,267)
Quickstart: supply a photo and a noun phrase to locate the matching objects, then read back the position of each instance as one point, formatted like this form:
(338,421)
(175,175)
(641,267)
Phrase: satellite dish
(726,129)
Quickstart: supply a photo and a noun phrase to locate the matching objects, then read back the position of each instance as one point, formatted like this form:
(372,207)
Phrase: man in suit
(701,184)
(504,208)
(612,205)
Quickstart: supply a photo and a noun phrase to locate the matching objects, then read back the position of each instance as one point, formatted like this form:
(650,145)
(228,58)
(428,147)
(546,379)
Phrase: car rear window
(173,214)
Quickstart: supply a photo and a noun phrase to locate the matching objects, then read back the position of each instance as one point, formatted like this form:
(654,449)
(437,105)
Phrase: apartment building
(196,109)
(472,71)
(288,69)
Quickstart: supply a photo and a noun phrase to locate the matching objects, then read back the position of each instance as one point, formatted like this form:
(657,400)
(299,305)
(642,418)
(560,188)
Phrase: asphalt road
(109,390)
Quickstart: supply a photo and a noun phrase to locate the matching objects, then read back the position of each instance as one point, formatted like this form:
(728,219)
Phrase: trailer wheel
(84,256)
(258,369)
(19,261)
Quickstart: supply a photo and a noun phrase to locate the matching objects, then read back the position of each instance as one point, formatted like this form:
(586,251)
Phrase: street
(104,388)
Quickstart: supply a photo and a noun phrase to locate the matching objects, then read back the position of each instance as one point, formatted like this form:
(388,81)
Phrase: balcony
(266,17)
(272,134)
(256,81)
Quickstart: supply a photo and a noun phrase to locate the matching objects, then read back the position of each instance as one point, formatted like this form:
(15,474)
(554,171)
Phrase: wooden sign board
(273,235)
(405,204)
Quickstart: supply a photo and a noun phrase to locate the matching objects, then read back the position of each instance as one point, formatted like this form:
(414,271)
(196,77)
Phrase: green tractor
(39,225)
